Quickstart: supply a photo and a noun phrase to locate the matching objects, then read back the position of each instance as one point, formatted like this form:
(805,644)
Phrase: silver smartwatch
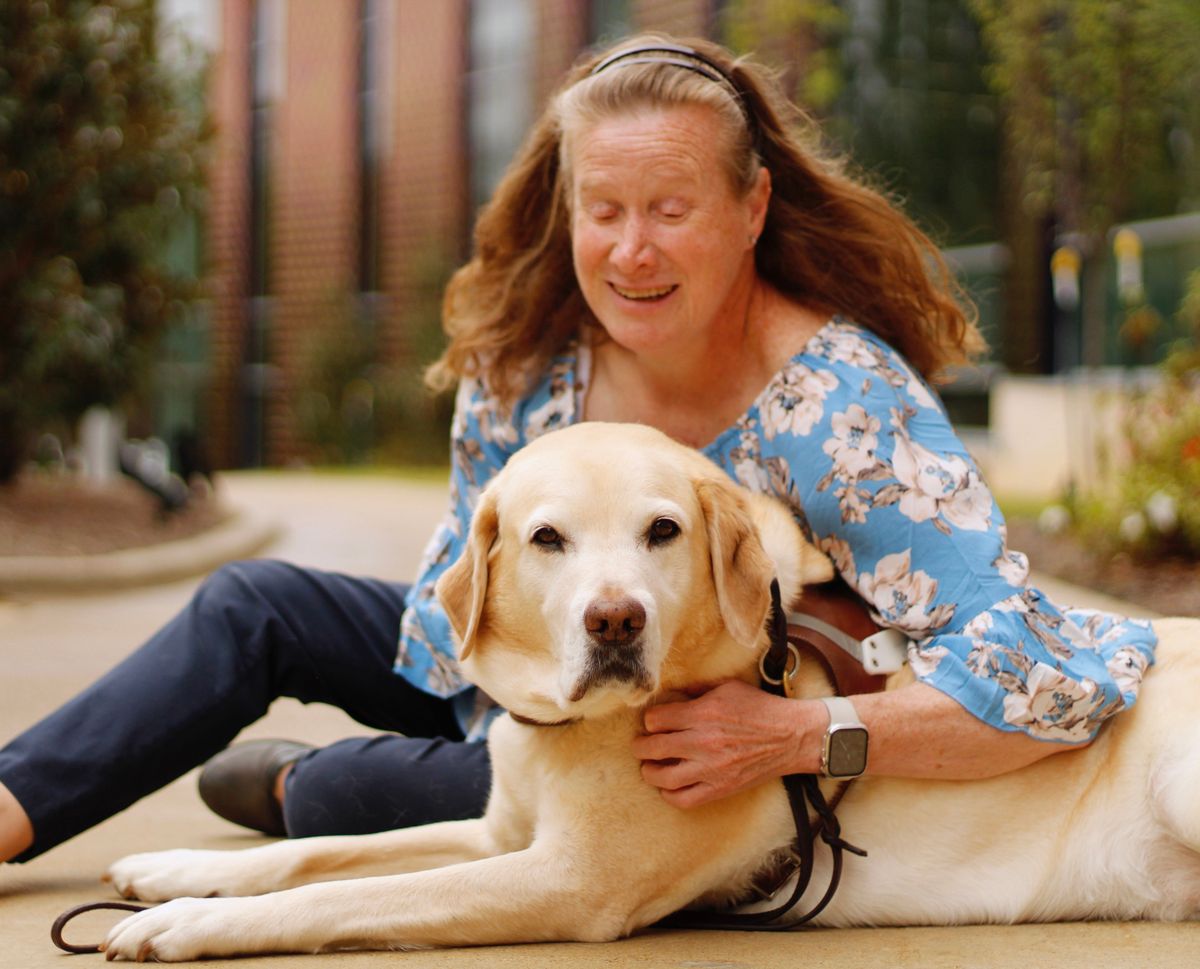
(844,749)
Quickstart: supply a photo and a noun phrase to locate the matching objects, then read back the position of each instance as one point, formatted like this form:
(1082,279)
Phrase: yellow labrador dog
(606,567)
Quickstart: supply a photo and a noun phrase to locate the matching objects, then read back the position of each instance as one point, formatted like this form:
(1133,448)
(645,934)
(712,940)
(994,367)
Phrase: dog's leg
(161,875)
(539,894)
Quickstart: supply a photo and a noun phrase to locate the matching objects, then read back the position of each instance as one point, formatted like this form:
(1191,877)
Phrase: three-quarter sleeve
(485,433)
(482,439)
(866,455)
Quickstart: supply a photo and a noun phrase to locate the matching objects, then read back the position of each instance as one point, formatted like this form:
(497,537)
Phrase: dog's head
(605,563)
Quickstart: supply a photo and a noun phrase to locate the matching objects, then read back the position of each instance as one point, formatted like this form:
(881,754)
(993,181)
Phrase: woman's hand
(725,739)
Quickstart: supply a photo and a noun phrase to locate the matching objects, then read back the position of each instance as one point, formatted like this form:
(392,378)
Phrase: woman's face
(662,243)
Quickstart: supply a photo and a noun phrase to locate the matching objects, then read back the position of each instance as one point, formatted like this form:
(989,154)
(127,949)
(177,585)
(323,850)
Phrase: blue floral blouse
(863,453)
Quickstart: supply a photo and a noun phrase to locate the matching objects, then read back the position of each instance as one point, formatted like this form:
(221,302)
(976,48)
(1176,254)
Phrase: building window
(499,88)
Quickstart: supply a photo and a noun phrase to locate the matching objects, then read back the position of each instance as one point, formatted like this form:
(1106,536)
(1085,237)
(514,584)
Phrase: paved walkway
(51,645)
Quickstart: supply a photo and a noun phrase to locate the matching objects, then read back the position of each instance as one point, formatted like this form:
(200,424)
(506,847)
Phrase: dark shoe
(239,783)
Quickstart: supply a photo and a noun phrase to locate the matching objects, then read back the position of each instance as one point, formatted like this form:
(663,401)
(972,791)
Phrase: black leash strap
(803,792)
(776,661)
(60,923)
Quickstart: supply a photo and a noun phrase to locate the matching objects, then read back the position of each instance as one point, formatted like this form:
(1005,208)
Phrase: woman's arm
(865,454)
(481,443)
(735,735)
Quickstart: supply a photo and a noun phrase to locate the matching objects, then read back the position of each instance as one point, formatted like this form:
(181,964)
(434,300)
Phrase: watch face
(847,752)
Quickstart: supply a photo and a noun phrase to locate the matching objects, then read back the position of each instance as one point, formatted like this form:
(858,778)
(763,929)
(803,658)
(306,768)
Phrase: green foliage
(1154,509)
(1184,359)
(1100,123)
(899,87)
(1092,92)
(357,405)
(800,36)
(335,402)
(916,109)
(101,144)
(1153,505)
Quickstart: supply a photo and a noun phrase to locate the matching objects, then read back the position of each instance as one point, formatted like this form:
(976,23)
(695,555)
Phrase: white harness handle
(883,652)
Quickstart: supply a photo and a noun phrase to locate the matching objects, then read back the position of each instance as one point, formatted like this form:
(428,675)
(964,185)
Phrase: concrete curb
(239,536)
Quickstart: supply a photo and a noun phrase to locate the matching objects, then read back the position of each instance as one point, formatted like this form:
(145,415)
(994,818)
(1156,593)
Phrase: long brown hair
(830,240)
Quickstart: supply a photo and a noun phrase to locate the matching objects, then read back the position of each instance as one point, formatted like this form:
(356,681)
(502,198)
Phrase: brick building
(355,138)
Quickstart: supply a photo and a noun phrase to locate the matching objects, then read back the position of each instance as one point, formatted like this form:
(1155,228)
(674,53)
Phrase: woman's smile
(643,294)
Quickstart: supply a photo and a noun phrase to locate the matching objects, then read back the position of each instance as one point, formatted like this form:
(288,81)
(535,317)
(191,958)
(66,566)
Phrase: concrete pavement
(53,644)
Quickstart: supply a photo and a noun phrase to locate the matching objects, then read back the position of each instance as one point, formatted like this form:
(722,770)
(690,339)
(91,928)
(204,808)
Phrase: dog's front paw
(159,876)
(186,929)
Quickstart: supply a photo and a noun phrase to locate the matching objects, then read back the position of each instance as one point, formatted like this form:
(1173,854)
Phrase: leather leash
(60,923)
(780,662)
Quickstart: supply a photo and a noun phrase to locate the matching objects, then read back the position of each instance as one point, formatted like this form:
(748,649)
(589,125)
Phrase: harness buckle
(791,667)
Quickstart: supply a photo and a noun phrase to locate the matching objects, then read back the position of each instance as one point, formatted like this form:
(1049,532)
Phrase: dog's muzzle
(614,626)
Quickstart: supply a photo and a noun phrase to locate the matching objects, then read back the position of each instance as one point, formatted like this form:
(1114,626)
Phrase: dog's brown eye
(547,538)
(663,530)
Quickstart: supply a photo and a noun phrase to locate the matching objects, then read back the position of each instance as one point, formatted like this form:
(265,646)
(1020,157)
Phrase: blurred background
(225,225)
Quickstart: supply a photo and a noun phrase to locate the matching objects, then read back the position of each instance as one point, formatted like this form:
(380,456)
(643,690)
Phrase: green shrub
(102,147)
(1151,507)
(356,405)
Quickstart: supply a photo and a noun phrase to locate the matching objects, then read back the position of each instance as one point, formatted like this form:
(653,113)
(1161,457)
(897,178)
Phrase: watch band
(841,712)
(844,747)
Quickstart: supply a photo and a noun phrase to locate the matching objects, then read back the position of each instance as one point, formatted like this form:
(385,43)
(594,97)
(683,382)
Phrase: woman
(667,250)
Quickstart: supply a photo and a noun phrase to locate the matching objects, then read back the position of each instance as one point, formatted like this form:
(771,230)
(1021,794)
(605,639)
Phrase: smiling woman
(664,257)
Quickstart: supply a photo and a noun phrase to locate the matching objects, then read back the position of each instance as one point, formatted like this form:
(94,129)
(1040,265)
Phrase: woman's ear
(742,570)
(759,199)
(462,588)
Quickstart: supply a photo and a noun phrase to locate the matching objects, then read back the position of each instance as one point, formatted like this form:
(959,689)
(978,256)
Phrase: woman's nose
(633,248)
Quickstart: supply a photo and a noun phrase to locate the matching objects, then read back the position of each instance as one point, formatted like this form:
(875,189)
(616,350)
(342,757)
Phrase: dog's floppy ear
(462,589)
(742,570)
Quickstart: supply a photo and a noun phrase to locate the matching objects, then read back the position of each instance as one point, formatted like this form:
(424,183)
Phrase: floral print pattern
(903,597)
(862,452)
(795,401)
(943,489)
(1051,705)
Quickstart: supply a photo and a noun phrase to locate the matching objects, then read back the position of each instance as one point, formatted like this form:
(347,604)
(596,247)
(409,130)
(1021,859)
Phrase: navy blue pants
(255,631)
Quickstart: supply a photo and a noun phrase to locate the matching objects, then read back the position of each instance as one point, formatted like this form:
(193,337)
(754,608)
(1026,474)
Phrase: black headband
(674,55)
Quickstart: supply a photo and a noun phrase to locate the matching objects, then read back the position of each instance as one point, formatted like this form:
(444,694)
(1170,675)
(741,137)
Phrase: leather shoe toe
(238,784)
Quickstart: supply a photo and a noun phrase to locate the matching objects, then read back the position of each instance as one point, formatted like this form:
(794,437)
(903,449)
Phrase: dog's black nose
(614,621)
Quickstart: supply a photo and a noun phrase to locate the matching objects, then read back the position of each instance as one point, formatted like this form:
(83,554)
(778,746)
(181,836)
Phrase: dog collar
(531,722)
